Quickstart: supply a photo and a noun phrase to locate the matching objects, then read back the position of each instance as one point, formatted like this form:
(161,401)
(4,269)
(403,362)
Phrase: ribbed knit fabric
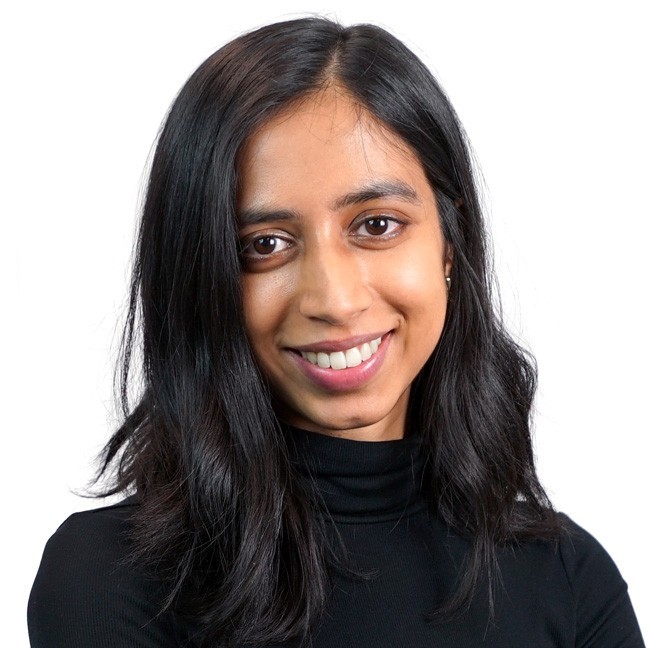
(550,594)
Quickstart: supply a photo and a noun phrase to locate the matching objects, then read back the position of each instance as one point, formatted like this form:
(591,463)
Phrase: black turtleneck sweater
(550,594)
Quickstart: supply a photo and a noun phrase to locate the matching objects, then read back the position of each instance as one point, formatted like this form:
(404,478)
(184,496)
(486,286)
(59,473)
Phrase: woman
(332,441)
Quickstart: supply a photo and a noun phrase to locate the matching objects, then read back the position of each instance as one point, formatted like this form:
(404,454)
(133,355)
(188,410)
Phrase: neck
(364,433)
(355,481)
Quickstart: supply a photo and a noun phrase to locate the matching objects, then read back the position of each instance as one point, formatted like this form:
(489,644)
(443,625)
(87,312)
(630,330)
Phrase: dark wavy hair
(221,516)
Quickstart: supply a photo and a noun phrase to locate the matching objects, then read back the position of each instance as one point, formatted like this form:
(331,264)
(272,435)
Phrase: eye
(263,246)
(379,226)
(267,244)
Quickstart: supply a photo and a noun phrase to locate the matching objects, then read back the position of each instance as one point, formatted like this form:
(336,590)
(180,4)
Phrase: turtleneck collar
(360,481)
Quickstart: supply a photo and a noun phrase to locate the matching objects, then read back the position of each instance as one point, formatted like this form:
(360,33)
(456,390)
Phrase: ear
(448,256)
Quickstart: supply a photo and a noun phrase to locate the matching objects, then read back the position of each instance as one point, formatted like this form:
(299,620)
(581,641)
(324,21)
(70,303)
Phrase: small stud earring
(448,280)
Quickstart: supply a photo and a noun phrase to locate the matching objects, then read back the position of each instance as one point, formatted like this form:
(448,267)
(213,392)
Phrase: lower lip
(344,379)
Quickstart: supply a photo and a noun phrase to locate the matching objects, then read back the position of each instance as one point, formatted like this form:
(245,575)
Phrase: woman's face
(344,293)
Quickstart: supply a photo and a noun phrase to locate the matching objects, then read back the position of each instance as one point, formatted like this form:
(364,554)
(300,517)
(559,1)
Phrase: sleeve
(87,596)
(604,613)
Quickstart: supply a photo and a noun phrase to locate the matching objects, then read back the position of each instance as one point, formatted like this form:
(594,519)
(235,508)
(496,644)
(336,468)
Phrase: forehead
(325,143)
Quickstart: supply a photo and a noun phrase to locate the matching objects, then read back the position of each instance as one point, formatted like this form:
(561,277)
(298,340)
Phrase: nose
(333,285)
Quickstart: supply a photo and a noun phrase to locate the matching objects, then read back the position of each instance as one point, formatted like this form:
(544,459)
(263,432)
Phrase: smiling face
(344,290)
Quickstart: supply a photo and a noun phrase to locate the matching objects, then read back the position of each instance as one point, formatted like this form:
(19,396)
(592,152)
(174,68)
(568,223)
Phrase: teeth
(343,359)
(323,360)
(338,361)
(353,357)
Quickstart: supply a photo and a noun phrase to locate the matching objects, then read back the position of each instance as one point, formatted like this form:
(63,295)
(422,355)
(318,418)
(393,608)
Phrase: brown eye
(379,226)
(376,226)
(265,245)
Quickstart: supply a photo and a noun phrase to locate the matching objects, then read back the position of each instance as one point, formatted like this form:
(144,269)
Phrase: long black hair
(221,515)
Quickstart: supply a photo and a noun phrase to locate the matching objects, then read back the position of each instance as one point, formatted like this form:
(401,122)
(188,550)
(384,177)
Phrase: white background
(553,97)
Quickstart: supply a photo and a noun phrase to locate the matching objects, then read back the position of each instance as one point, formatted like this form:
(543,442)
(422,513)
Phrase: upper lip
(326,346)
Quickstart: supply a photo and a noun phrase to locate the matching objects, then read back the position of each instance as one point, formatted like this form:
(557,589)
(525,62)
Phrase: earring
(448,280)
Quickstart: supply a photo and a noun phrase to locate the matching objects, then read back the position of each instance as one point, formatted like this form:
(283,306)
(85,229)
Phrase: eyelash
(249,245)
(390,234)
(376,217)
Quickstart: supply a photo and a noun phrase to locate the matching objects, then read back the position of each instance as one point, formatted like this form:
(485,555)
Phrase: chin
(369,423)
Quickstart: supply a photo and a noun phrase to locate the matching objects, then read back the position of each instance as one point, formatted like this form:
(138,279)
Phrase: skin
(318,268)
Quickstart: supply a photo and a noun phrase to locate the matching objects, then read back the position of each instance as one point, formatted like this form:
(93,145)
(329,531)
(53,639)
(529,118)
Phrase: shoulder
(104,528)
(87,592)
(90,549)
(582,553)
(603,611)
(568,588)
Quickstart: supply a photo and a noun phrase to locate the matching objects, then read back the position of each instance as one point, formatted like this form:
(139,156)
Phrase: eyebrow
(379,189)
(259,216)
(371,191)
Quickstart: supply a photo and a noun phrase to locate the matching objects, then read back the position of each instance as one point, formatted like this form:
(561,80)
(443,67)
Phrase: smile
(349,358)
(360,363)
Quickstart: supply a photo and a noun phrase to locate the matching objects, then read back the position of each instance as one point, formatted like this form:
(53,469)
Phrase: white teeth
(338,361)
(323,360)
(343,359)
(353,357)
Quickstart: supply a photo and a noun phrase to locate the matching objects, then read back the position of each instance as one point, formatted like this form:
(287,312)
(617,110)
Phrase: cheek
(257,317)
(417,285)
(264,304)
